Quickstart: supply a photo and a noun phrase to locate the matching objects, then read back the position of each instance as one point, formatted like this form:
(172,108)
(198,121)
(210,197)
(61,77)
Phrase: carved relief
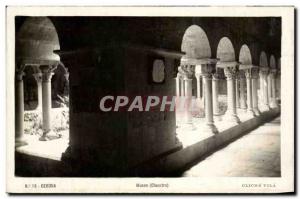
(230,72)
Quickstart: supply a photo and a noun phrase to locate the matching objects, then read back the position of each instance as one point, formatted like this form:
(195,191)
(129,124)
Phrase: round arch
(195,43)
(263,60)
(225,50)
(36,40)
(245,55)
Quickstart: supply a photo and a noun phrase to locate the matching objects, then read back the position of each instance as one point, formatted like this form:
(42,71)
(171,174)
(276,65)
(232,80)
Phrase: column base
(251,113)
(244,109)
(256,111)
(209,128)
(50,135)
(265,107)
(273,105)
(233,118)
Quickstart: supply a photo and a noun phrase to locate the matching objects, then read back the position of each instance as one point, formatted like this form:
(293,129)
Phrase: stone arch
(245,55)
(263,60)
(40,36)
(272,62)
(225,50)
(59,84)
(195,43)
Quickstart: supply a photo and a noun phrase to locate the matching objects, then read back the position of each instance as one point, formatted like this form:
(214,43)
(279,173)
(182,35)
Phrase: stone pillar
(182,86)
(231,114)
(47,73)
(273,103)
(206,73)
(19,109)
(178,84)
(254,91)
(203,91)
(248,75)
(264,83)
(38,79)
(243,105)
(215,94)
(237,90)
(188,86)
(261,89)
(269,83)
(198,78)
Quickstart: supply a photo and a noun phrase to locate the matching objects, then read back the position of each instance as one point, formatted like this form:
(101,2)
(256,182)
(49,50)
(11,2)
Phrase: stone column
(261,89)
(254,90)
(248,74)
(188,86)
(178,84)
(215,95)
(269,87)
(206,73)
(198,78)
(243,105)
(203,92)
(273,91)
(231,114)
(19,109)
(182,86)
(38,79)
(264,83)
(47,73)
(237,91)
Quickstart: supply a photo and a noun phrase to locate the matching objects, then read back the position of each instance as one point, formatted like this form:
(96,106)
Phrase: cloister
(228,67)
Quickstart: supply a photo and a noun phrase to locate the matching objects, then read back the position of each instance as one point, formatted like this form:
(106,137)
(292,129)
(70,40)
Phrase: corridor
(234,84)
(256,154)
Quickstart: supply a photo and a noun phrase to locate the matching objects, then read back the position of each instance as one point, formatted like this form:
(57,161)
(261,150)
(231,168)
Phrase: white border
(177,185)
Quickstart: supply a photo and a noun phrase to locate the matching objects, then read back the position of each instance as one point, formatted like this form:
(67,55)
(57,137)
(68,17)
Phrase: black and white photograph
(150,99)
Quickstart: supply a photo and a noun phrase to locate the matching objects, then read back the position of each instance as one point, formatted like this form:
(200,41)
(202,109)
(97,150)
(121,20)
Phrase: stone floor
(189,136)
(256,154)
(51,149)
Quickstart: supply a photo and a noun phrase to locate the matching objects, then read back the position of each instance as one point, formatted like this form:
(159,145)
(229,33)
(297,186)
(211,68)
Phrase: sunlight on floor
(51,149)
(189,137)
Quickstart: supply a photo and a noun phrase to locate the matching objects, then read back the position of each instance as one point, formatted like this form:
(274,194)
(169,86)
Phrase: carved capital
(255,73)
(19,75)
(263,71)
(38,77)
(204,70)
(248,73)
(216,76)
(188,71)
(47,72)
(273,71)
(230,72)
(47,76)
